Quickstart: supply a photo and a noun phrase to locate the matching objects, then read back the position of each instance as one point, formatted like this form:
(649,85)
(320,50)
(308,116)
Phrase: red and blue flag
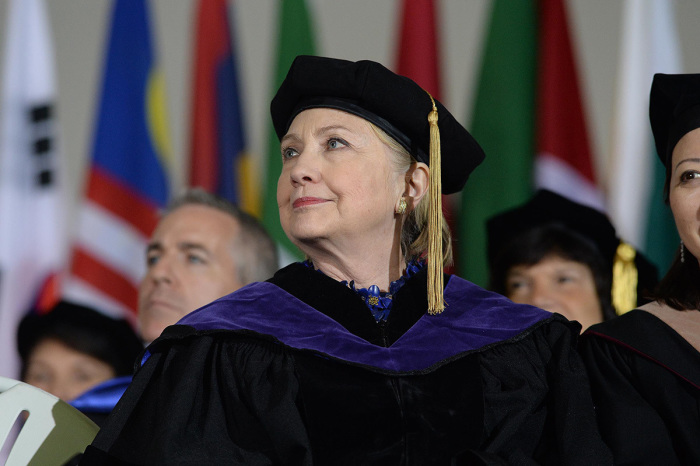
(127,180)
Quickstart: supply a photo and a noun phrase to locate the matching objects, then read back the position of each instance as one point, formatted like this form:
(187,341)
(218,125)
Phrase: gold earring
(401,209)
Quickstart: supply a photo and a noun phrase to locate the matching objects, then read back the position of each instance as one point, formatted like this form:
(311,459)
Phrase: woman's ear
(417,181)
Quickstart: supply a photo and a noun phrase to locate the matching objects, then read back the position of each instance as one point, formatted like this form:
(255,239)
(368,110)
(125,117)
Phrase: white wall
(353,29)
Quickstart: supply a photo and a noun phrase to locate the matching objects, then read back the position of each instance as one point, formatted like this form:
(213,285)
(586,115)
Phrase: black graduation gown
(645,380)
(296,371)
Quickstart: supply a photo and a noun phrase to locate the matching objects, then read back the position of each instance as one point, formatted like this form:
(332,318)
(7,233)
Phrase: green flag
(503,122)
(295,38)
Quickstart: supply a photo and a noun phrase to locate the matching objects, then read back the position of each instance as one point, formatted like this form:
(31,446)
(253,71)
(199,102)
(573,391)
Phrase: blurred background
(601,54)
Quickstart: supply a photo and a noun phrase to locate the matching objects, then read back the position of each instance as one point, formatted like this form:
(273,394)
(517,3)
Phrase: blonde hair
(414,233)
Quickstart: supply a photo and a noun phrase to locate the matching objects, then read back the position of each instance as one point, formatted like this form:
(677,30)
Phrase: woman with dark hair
(72,350)
(565,257)
(645,365)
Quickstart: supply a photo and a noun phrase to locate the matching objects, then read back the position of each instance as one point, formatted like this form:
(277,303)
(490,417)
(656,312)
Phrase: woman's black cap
(549,208)
(674,110)
(392,102)
(84,330)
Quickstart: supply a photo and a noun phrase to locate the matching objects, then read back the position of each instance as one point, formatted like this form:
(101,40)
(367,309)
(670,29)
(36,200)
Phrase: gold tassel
(624,280)
(436,302)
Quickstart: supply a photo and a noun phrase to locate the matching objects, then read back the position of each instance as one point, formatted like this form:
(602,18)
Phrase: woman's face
(338,183)
(558,285)
(684,190)
(64,372)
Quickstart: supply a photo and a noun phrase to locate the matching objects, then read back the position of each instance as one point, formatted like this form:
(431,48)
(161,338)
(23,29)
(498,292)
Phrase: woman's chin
(305,238)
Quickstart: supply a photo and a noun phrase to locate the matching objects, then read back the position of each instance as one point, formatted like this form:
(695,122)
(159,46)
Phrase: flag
(217,160)
(127,181)
(503,123)
(295,37)
(564,161)
(33,238)
(649,44)
(530,121)
(419,59)
(419,51)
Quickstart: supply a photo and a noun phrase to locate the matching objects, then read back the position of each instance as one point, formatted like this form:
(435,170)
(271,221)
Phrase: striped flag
(649,44)
(33,237)
(217,161)
(529,118)
(564,161)
(127,178)
(295,37)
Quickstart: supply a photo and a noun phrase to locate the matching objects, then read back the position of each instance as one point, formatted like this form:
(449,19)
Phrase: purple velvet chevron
(473,319)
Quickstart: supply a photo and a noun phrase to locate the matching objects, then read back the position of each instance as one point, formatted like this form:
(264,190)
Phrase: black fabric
(645,381)
(547,207)
(674,110)
(345,306)
(232,397)
(392,102)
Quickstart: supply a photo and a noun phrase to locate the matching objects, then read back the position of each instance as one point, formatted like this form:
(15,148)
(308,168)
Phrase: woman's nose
(306,168)
(541,296)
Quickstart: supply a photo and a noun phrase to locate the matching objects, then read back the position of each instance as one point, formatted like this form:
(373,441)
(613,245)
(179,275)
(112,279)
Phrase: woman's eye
(564,279)
(82,377)
(515,285)
(689,175)
(35,378)
(336,143)
(288,153)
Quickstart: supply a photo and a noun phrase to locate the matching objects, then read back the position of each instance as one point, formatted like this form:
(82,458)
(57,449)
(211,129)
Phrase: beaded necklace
(380,302)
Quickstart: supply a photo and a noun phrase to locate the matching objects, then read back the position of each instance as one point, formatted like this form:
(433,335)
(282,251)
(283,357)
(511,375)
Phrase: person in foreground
(364,353)
(565,257)
(79,355)
(645,365)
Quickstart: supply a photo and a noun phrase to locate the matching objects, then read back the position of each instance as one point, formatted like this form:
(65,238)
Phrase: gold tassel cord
(436,302)
(625,277)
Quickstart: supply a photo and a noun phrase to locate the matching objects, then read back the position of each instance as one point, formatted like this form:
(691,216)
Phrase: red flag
(418,45)
(217,142)
(564,161)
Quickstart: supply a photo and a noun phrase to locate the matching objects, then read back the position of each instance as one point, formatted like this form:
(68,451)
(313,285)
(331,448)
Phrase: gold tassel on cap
(436,302)
(624,279)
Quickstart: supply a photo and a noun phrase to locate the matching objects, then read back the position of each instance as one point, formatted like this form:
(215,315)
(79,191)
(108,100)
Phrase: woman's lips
(307,201)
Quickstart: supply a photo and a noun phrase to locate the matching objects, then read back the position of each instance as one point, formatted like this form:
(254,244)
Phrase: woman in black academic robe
(366,353)
(565,257)
(645,365)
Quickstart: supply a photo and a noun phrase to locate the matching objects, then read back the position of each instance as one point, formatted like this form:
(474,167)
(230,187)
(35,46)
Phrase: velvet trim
(103,397)
(474,319)
(345,306)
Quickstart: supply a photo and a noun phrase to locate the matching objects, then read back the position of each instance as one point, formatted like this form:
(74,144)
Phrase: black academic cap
(674,110)
(85,330)
(549,208)
(392,102)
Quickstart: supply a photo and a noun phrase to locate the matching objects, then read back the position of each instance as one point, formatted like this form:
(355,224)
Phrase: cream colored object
(54,431)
